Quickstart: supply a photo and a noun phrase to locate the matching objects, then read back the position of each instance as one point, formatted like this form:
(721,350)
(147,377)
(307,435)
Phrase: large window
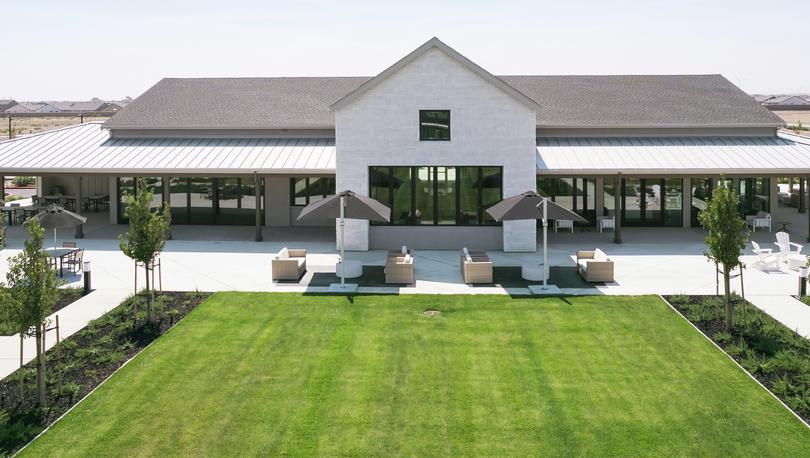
(434,125)
(200,200)
(127,187)
(754,193)
(652,202)
(575,194)
(437,195)
(306,190)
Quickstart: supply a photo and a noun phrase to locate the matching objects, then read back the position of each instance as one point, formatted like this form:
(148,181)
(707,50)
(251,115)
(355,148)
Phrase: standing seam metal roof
(88,148)
(678,155)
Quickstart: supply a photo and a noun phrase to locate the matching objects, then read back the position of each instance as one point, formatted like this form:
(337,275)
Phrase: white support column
(773,198)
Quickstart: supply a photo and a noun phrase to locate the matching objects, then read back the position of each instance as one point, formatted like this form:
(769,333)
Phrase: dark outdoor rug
(503,276)
(563,277)
(372,276)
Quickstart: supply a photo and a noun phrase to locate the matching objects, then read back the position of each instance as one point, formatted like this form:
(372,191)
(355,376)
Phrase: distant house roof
(564,101)
(5,104)
(787,100)
(26,107)
(80,106)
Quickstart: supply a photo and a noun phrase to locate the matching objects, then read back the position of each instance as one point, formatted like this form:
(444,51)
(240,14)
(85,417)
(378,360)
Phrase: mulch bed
(66,297)
(774,354)
(82,361)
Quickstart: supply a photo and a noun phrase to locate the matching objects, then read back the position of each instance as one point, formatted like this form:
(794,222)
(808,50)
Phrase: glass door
(201,200)
(652,201)
(701,193)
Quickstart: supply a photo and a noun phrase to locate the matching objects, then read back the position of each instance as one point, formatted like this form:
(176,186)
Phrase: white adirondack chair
(786,247)
(766,259)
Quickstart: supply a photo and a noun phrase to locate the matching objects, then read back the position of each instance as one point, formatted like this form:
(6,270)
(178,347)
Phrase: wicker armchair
(289,264)
(399,270)
(476,267)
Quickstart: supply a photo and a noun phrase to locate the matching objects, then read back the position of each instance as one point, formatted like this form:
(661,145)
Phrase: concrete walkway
(787,310)
(71,319)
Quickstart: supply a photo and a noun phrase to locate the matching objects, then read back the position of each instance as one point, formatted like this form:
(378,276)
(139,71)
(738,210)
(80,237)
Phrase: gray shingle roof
(250,103)
(571,101)
(641,100)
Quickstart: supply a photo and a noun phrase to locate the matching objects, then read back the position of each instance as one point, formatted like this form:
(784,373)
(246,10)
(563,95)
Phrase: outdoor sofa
(289,264)
(595,266)
(399,269)
(476,267)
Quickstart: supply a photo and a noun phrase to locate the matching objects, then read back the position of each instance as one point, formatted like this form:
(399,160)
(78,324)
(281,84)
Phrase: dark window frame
(456,186)
(307,188)
(422,137)
(217,218)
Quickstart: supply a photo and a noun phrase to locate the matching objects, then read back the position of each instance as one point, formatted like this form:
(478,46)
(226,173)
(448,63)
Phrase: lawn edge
(735,362)
(103,382)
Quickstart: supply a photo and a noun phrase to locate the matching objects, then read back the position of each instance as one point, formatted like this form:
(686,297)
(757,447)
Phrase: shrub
(22,181)
(69,390)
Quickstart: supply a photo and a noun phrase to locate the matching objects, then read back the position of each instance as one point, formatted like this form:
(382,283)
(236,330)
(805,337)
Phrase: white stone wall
(488,127)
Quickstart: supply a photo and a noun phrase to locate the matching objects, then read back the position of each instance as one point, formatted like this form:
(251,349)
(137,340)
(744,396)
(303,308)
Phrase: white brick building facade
(489,128)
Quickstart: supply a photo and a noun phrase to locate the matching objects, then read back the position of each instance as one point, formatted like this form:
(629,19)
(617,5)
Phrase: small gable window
(434,125)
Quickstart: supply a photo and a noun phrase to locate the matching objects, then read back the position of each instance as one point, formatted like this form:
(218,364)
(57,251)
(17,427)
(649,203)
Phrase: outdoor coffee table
(60,254)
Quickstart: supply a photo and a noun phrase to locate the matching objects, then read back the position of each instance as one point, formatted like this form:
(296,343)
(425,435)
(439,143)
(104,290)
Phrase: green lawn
(256,373)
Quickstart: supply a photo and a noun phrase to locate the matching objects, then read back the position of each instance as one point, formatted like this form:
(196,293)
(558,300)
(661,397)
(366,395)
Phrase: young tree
(147,233)
(728,235)
(30,293)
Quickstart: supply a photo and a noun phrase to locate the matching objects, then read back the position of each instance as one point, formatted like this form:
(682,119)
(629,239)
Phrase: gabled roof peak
(453,54)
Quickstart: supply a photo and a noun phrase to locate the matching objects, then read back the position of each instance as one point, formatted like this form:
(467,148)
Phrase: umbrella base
(548,290)
(344,288)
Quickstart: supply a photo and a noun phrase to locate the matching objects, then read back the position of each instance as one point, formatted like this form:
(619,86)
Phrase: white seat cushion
(599,255)
(583,264)
(284,253)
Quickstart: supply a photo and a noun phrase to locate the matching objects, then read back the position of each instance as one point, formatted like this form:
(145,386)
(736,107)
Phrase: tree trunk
(40,366)
(22,383)
(729,305)
(148,294)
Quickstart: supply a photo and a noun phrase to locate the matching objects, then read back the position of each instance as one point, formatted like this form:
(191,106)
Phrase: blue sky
(79,49)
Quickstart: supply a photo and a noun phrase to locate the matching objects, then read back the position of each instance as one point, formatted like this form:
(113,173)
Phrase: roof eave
(658,126)
(410,57)
(217,127)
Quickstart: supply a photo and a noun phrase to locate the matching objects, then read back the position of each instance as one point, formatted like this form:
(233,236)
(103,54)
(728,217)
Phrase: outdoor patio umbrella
(531,205)
(346,204)
(56,217)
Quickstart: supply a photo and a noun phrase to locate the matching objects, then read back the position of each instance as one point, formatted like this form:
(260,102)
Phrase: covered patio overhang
(613,159)
(88,152)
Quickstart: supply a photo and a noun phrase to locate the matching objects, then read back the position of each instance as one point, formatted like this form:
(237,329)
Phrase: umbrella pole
(545,243)
(342,239)
(54,238)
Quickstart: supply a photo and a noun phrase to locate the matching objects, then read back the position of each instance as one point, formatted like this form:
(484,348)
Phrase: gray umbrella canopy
(357,207)
(56,217)
(529,205)
(346,204)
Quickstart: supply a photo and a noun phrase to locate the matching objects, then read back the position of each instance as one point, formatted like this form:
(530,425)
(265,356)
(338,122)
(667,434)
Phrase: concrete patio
(217,258)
